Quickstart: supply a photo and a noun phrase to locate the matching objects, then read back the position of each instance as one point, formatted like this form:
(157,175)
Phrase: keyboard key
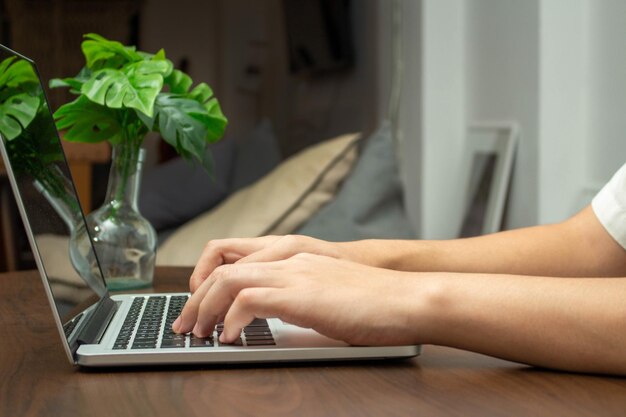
(237,342)
(257,333)
(261,337)
(173,344)
(260,342)
(201,343)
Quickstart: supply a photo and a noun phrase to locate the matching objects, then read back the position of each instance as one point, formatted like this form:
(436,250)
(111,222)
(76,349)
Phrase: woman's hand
(343,300)
(275,248)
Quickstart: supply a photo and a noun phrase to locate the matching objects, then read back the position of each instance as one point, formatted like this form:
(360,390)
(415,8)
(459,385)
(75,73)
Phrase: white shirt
(609,205)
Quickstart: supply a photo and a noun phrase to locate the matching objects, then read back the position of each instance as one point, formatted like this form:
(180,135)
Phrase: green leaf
(61,82)
(86,121)
(201,93)
(10,128)
(135,86)
(178,127)
(179,82)
(17,113)
(213,120)
(75,83)
(5,64)
(160,55)
(148,121)
(15,73)
(102,53)
(212,117)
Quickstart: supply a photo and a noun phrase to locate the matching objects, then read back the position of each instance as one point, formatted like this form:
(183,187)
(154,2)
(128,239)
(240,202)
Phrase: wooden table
(37,380)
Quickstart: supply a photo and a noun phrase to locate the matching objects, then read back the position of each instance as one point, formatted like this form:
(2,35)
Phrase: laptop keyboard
(148,325)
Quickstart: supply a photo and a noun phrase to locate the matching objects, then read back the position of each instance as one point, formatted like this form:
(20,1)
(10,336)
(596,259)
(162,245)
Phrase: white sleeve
(609,205)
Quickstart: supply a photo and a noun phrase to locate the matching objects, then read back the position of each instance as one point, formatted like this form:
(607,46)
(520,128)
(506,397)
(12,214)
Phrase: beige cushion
(278,203)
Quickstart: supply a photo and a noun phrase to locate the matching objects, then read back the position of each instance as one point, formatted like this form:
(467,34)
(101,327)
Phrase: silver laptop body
(99,329)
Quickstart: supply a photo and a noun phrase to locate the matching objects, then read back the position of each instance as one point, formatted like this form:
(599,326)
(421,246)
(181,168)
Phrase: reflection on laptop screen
(49,204)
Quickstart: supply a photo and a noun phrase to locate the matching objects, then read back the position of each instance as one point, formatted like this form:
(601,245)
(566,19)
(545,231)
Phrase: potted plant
(123,94)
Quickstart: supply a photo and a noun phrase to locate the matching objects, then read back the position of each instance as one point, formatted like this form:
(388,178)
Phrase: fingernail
(176,325)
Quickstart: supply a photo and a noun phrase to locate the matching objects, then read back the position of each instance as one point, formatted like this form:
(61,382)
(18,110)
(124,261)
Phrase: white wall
(557,67)
(526,62)
(562,75)
(443,118)
(502,84)
(606,136)
(562,107)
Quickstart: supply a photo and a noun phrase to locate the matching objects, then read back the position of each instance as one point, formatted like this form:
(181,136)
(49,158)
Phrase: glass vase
(125,242)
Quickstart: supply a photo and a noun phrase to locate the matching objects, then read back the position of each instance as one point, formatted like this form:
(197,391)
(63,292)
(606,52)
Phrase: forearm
(570,324)
(578,247)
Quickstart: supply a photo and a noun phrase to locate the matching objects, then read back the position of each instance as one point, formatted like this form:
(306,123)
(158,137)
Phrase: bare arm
(574,324)
(578,247)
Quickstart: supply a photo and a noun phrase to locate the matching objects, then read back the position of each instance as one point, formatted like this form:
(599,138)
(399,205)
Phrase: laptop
(99,329)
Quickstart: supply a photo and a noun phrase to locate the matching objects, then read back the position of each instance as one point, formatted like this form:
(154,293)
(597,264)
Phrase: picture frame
(488,166)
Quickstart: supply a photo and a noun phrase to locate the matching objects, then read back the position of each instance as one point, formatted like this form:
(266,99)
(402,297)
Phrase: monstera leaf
(174,117)
(178,82)
(103,53)
(76,83)
(16,72)
(86,121)
(212,118)
(135,86)
(125,93)
(17,113)
(19,100)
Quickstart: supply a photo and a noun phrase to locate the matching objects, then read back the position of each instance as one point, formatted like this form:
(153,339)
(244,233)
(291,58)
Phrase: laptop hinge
(98,322)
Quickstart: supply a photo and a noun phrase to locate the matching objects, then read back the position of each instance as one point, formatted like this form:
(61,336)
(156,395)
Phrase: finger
(224,251)
(217,293)
(283,247)
(187,318)
(232,280)
(249,304)
(212,308)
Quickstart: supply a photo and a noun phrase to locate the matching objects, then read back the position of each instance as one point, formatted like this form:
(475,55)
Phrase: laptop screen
(44,189)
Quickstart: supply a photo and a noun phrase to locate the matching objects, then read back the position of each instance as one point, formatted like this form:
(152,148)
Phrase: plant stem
(125,164)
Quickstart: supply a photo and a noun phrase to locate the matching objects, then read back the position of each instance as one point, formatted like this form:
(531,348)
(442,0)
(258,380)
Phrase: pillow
(256,154)
(276,204)
(178,190)
(370,202)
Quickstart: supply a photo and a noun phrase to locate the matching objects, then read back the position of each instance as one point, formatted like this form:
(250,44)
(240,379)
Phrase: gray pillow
(370,202)
(177,190)
(256,154)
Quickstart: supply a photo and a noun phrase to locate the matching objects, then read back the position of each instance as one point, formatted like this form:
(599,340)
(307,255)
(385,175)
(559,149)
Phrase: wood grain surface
(36,379)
